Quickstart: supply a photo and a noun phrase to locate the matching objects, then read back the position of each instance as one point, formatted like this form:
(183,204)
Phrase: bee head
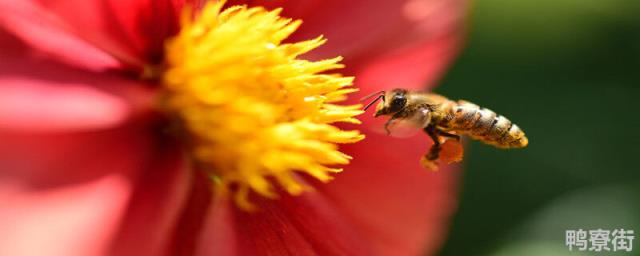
(392,101)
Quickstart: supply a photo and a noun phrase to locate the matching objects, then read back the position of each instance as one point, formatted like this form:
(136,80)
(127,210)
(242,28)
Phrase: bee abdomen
(465,115)
(485,125)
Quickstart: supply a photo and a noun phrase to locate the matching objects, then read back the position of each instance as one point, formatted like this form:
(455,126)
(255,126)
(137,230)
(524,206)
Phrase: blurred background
(568,73)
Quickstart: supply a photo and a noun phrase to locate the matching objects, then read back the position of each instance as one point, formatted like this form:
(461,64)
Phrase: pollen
(253,114)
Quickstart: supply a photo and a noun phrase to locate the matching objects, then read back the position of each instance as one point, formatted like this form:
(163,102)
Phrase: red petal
(132,31)
(269,231)
(416,67)
(39,95)
(400,208)
(386,43)
(323,225)
(192,223)
(302,225)
(152,213)
(47,34)
(217,234)
(65,194)
(74,220)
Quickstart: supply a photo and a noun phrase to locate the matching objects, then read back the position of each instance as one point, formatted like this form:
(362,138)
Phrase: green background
(568,73)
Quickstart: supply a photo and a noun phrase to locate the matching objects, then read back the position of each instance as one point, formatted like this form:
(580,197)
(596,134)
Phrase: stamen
(252,112)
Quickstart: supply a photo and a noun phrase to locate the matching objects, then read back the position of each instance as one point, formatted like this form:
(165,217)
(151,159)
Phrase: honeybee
(444,119)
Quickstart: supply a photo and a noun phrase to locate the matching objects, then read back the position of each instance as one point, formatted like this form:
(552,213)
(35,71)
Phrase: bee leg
(449,135)
(388,122)
(434,152)
(386,125)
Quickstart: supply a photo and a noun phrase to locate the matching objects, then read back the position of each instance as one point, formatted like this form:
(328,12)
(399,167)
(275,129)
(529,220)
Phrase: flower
(89,166)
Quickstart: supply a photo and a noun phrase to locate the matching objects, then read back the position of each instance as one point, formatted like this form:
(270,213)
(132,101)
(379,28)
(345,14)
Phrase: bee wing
(403,128)
(406,127)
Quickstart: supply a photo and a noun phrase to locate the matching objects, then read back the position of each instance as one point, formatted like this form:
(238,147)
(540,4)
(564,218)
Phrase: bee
(444,119)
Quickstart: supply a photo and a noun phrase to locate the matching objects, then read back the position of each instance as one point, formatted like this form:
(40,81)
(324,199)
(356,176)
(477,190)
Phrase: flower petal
(65,194)
(132,31)
(218,232)
(42,33)
(415,67)
(205,225)
(268,231)
(74,220)
(385,43)
(159,195)
(400,208)
(43,96)
(307,224)
(323,225)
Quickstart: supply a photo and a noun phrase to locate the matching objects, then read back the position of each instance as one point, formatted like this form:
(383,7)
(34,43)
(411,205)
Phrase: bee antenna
(371,95)
(381,96)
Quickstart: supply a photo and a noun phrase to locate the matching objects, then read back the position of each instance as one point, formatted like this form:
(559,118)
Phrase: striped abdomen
(484,125)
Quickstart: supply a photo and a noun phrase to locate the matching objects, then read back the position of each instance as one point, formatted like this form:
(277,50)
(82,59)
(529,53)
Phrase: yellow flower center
(253,113)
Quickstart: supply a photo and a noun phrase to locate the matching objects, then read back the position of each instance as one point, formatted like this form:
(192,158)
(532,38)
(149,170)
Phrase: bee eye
(398,102)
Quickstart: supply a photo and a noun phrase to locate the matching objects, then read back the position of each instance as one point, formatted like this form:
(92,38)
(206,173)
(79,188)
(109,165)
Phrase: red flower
(86,169)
